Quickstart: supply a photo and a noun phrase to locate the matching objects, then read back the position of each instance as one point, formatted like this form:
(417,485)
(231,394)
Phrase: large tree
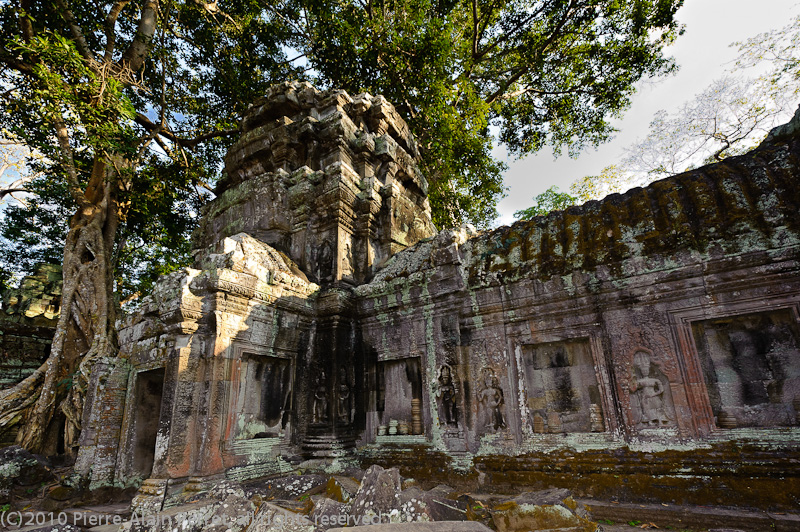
(127,101)
(544,72)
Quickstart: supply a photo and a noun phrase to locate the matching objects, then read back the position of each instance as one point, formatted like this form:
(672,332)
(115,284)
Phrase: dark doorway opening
(149,390)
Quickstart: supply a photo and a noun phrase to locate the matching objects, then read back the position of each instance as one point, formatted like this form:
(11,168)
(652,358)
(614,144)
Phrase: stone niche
(399,382)
(148,394)
(751,364)
(561,386)
(264,396)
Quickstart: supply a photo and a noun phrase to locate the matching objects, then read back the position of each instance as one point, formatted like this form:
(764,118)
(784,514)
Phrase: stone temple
(325,321)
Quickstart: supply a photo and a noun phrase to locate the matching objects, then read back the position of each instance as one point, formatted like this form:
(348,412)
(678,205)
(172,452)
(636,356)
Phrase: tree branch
(142,120)
(524,68)
(136,53)
(213,9)
(110,28)
(6,191)
(77,33)
(24,20)
(62,133)
(15,63)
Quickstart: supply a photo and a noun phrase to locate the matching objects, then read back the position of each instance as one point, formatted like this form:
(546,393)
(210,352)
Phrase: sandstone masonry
(325,318)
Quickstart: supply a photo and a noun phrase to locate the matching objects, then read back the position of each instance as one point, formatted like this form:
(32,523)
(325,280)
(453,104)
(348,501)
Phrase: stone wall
(645,328)
(27,323)
(258,342)
(658,310)
(324,318)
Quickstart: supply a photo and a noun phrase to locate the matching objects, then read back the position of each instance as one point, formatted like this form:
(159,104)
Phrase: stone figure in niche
(344,398)
(319,408)
(491,397)
(325,262)
(648,401)
(446,393)
(347,259)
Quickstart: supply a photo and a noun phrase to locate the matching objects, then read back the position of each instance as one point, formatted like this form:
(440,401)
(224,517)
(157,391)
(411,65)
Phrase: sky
(702,53)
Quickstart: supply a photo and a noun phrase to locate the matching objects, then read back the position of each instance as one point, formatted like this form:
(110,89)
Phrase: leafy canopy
(543,72)
(153,87)
(158,86)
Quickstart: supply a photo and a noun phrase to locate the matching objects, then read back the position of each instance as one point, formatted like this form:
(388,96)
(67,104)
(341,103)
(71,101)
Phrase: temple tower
(332,181)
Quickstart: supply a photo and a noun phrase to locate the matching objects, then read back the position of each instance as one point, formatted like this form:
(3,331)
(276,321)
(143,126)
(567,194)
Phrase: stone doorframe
(683,343)
(592,333)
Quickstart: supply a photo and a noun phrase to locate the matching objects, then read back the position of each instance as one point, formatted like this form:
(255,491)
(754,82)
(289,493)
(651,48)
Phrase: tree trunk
(51,399)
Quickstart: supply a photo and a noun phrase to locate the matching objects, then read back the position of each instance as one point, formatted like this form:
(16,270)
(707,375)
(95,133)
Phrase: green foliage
(612,179)
(156,236)
(536,72)
(163,114)
(34,232)
(542,72)
(153,240)
(549,200)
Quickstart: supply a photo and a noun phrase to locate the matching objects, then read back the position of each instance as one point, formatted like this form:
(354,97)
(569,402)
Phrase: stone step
(692,517)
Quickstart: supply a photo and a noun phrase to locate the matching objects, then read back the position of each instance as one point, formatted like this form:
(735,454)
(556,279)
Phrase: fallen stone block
(21,469)
(272,518)
(328,513)
(431,505)
(289,487)
(541,510)
(378,495)
(342,489)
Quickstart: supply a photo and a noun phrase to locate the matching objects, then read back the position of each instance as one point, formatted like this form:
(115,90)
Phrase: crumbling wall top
(744,204)
(294,121)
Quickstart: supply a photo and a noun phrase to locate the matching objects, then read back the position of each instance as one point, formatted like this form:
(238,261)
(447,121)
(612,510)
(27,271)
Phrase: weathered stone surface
(271,518)
(544,510)
(433,505)
(20,470)
(27,323)
(328,513)
(68,527)
(379,494)
(220,508)
(288,487)
(37,299)
(324,318)
(342,489)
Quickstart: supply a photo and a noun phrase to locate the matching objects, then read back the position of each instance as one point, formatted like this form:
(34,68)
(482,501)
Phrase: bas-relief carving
(561,387)
(651,400)
(344,399)
(491,397)
(347,258)
(446,393)
(751,365)
(319,403)
(324,266)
